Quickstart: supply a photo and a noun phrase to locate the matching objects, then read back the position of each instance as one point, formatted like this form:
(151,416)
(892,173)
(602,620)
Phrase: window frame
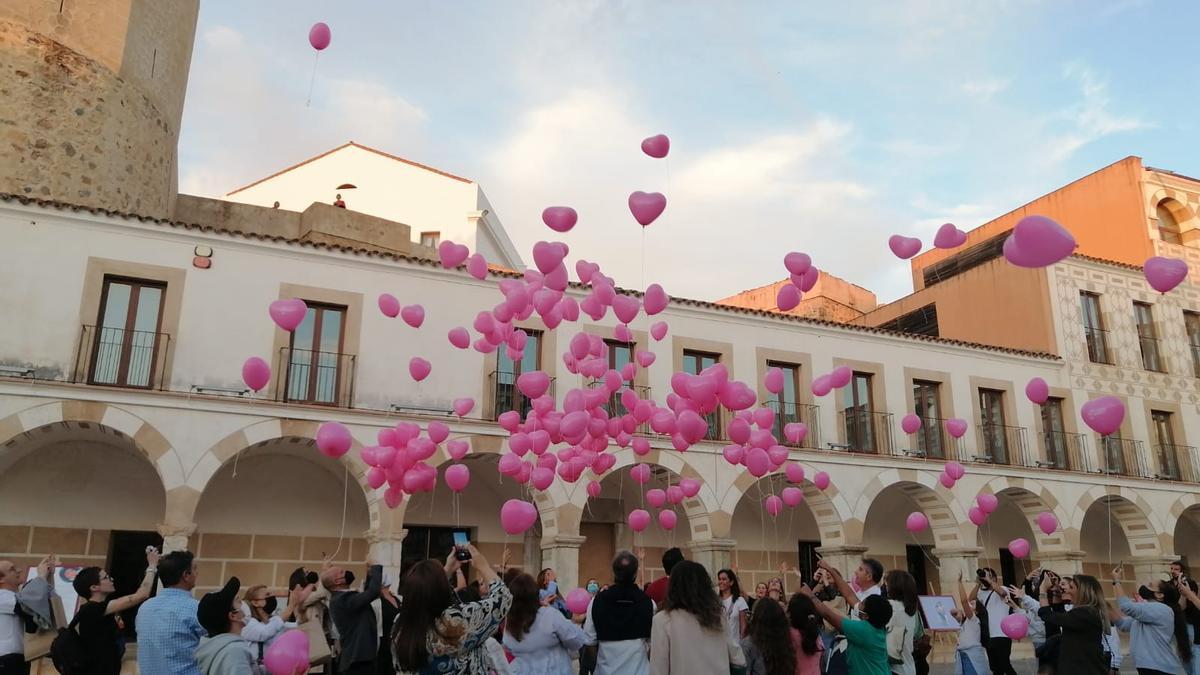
(714,417)
(1147,334)
(1091,301)
(311,394)
(136,285)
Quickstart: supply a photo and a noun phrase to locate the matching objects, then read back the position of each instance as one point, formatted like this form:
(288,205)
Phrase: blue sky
(821,127)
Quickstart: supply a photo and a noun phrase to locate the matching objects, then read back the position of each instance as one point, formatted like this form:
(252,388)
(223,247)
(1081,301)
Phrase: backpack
(67,650)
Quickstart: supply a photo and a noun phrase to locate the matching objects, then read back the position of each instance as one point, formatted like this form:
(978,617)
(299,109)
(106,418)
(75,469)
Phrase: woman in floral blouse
(434,634)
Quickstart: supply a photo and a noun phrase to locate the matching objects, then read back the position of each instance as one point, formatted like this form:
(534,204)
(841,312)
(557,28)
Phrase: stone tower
(91,98)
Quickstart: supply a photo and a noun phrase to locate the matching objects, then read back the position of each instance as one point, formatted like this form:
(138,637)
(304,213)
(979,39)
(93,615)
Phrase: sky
(818,127)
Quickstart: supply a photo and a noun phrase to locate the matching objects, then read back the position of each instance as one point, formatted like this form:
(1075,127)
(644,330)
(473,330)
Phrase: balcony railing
(1097,345)
(1151,355)
(867,431)
(121,358)
(787,413)
(321,378)
(1001,444)
(1066,452)
(1176,462)
(1123,457)
(932,441)
(615,408)
(507,397)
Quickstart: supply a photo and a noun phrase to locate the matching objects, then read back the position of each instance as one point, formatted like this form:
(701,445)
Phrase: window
(127,341)
(967,259)
(927,405)
(314,355)
(1054,433)
(1168,226)
(1093,328)
(694,362)
(1191,322)
(858,411)
(785,403)
(431,239)
(991,425)
(923,321)
(1164,438)
(1143,317)
(508,397)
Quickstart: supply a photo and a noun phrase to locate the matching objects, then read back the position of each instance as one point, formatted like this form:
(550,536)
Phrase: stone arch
(1183,504)
(829,507)
(1129,511)
(1033,498)
(946,515)
(1172,214)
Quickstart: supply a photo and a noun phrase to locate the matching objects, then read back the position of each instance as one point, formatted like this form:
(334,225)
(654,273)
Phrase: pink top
(807,664)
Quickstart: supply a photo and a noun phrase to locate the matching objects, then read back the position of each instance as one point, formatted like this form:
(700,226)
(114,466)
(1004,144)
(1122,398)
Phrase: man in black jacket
(355,619)
(619,621)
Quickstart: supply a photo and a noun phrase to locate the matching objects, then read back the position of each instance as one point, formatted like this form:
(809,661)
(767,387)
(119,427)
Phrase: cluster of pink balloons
(952,472)
(985,504)
(646,207)
(802,276)
(948,236)
(288,654)
(835,379)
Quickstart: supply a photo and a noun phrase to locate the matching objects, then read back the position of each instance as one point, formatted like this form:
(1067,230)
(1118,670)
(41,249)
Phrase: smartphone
(460,546)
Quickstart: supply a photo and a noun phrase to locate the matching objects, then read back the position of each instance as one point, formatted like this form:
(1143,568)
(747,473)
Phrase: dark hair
(903,587)
(525,605)
(84,580)
(1182,566)
(1171,599)
(770,633)
(510,574)
(172,567)
(625,568)
(541,579)
(426,593)
(878,609)
(875,567)
(691,590)
(803,615)
(670,558)
(735,588)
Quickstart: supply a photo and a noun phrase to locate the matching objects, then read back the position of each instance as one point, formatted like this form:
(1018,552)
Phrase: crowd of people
(439,620)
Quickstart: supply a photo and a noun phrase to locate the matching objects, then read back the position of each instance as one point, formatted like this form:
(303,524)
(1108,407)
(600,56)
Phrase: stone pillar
(175,537)
(385,549)
(531,552)
(956,563)
(1146,568)
(561,552)
(1062,563)
(845,559)
(714,554)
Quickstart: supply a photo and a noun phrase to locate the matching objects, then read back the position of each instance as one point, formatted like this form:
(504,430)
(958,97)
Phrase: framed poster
(936,610)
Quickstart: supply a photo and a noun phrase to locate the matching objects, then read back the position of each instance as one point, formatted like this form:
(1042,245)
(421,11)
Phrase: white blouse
(548,646)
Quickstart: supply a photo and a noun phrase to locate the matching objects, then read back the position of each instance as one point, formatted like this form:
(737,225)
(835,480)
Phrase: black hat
(213,612)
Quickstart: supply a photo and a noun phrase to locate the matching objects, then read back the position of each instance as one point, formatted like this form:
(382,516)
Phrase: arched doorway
(1187,537)
(887,538)
(1115,530)
(765,542)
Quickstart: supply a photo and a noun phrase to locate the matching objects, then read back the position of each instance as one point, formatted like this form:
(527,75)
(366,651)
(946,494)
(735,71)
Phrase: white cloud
(984,90)
(1090,119)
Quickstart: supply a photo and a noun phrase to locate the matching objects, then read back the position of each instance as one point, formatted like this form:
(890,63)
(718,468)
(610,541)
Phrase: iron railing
(1002,444)
(867,431)
(321,378)
(933,441)
(506,396)
(1175,462)
(1066,451)
(1122,457)
(1151,356)
(1097,345)
(787,413)
(121,358)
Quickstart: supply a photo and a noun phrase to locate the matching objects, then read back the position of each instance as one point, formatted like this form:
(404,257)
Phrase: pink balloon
(797,263)
(656,497)
(977,516)
(438,431)
(477,266)
(904,247)
(821,480)
(1037,390)
(794,472)
(457,449)
(1037,241)
(809,279)
(593,486)
(289,313)
(413,315)
(675,494)
(758,462)
(956,427)
(1019,547)
(955,470)
(577,601)
(1015,626)
(1164,274)
(547,255)
(764,418)
(463,406)
(1047,523)
(644,358)
(655,299)
(667,520)
(640,473)
(792,496)
(333,439)
(639,519)
(419,368)
(1104,415)
(916,522)
(657,146)
(517,515)
(542,478)
(795,432)
(658,330)
(787,298)
(559,218)
(376,477)
(773,381)
(646,207)
(459,337)
(641,446)
(910,423)
(773,505)
(946,480)
(690,487)
(533,383)
(840,376)
(389,305)
(256,373)
(458,476)
(734,454)
(821,385)
(288,654)
(987,502)
(949,236)
(451,254)
(319,36)
(626,308)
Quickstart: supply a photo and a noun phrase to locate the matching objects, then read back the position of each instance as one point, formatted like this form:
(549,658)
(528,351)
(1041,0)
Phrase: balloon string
(345,500)
(313,79)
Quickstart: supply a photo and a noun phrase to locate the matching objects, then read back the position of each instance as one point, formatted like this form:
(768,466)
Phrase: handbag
(319,653)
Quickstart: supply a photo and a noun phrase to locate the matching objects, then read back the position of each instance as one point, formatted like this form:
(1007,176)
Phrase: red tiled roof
(362,147)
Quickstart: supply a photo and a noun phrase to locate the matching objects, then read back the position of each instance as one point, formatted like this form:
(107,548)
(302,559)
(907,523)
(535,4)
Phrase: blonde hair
(250,593)
(1089,593)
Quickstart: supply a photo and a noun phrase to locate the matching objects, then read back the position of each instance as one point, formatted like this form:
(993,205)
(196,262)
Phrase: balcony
(318,378)
(1065,452)
(787,413)
(1123,457)
(867,431)
(1001,444)
(932,441)
(614,408)
(121,358)
(1176,463)
(1097,345)
(1151,355)
(506,396)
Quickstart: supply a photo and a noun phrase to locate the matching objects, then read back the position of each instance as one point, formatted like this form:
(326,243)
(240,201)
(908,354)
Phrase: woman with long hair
(905,623)
(538,636)
(1191,613)
(760,592)
(732,602)
(768,645)
(1158,637)
(547,583)
(806,634)
(432,633)
(776,592)
(688,637)
(1080,650)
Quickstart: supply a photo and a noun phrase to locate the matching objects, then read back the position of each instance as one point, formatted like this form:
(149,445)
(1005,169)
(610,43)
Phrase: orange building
(831,299)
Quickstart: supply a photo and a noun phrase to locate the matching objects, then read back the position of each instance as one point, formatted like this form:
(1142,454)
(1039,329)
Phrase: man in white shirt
(12,623)
(619,621)
(990,594)
(867,578)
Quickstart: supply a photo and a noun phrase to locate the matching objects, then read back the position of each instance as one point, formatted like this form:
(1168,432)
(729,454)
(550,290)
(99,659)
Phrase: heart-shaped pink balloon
(626,307)
(419,368)
(949,236)
(585,270)
(459,337)
(655,300)
(788,297)
(389,305)
(477,266)
(646,207)
(797,263)
(1037,241)
(289,313)
(413,315)
(621,333)
(1164,274)
(559,218)
(644,358)
(1104,415)
(821,480)
(795,432)
(463,406)
(904,247)
(548,255)
(1037,391)
(517,515)
(821,385)
(658,330)
(773,505)
(957,427)
(451,254)
(256,373)
(657,146)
